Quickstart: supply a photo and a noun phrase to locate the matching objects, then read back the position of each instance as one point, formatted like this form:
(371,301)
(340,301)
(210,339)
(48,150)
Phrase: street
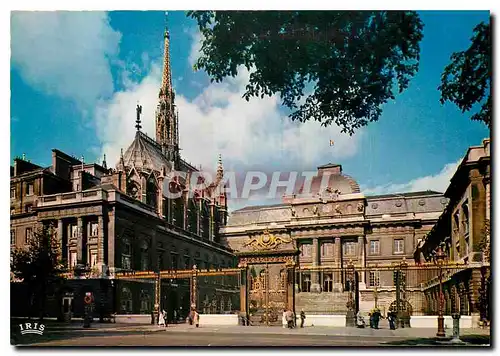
(182,336)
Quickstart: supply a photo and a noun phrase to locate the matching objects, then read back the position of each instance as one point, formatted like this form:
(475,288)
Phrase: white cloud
(65,53)
(438,182)
(195,46)
(219,120)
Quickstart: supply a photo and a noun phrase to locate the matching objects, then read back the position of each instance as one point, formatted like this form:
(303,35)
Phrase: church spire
(166,118)
(220,169)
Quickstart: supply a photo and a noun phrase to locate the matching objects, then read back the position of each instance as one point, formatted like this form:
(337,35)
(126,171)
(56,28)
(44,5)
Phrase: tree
(466,81)
(39,267)
(353,61)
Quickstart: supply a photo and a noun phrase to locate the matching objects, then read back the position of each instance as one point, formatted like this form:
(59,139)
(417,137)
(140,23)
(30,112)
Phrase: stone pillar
(100,241)
(79,242)
(60,234)
(315,286)
(362,262)
(337,283)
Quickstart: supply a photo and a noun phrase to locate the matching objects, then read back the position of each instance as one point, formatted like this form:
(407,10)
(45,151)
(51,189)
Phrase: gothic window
(126,301)
(144,256)
(374,278)
(205,221)
(178,212)
(192,216)
(145,302)
(399,246)
(328,282)
(151,194)
(374,247)
(126,254)
(133,190)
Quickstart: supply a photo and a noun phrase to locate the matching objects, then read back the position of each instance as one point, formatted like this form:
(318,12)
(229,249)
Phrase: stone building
(320,231)
(119,219)
(463,234)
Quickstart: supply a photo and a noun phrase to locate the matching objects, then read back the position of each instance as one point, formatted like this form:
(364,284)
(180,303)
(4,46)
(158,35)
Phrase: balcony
(72,197)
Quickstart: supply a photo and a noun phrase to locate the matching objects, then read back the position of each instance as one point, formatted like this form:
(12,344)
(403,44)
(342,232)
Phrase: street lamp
(440,256)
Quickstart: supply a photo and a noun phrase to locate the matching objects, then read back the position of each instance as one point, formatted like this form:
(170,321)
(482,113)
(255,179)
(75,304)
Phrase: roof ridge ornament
(138,111)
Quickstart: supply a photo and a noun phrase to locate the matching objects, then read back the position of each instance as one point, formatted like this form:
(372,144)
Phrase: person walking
(376,318)
(283,319)
(196,319)
(161,319)
(392,320)
(165,317)
(289,319)
(302,318)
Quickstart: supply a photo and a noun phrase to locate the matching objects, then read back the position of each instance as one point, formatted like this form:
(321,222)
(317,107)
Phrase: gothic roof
(145,154)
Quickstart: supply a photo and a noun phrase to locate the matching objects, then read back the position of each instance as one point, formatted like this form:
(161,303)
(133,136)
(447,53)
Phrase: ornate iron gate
(268,293)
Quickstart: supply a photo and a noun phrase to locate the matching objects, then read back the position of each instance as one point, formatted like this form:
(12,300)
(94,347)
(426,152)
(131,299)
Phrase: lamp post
(439,260)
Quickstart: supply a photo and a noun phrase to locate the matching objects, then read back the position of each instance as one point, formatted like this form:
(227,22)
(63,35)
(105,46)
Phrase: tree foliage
(331,66)
(466,81)
(38,266)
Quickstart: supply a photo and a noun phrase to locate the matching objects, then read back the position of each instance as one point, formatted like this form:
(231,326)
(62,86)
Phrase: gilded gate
(268,292)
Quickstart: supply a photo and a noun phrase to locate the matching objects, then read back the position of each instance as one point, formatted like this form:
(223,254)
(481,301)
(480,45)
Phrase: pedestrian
(165,318)
(391,318)
(370,315)
(283,319)
(175,316)
(161,319)
(302,318)
(376,318)
(360,321)
(289,319)
(196,318)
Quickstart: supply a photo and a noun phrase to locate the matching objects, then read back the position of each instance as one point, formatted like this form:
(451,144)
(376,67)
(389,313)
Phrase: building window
(402,277)
(173,257)
(93,258)
(28,208)
(374,278)
(465,220)
(306,283)
(456,221)
(72,260)
(126,255)
(30,189)
(94,231)
(74,231)
(126,301)
(399,246)
(374,247)
(144,256)
(327,282)
(306,250)
(12,237)
(326,249)
(187,262)
(349,248)
(13,193)
(145,302)
(28,235)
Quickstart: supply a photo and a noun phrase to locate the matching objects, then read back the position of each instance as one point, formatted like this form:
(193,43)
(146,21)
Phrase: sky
(76,78)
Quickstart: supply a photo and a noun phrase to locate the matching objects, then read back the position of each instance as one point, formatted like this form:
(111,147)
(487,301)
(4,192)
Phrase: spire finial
(167,33)
(104,164)
(138,110)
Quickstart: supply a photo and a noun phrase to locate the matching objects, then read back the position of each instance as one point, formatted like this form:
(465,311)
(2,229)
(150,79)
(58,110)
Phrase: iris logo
(27,328)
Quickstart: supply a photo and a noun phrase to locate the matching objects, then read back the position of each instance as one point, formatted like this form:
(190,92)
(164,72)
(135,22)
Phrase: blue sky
(76,78)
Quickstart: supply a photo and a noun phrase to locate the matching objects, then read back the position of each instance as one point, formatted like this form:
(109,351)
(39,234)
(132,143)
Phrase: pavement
(98,334)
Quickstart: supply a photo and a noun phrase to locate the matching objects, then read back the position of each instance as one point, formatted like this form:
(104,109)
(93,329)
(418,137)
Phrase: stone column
(60,234)
(79,241)
(337,283)
(362,262)
(100,240)
(315,286)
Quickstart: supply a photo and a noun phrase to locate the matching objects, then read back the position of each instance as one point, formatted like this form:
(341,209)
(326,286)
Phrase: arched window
(126,301)
(145,302)
(126,254)
(151,194)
